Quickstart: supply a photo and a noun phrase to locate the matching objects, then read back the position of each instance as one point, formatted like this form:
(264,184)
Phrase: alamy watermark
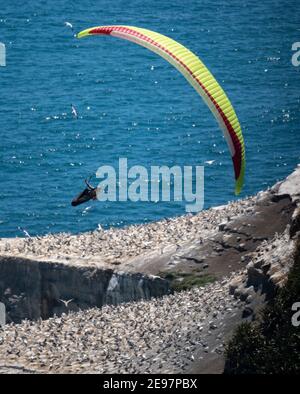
(161,184)
(296,55)
(296,316)
(2,54)
(2,314)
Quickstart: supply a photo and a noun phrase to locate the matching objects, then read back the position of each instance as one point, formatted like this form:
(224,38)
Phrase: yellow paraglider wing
(198,76)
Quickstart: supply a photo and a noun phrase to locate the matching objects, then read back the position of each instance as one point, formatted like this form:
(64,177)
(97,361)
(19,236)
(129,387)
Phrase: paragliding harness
(89,193)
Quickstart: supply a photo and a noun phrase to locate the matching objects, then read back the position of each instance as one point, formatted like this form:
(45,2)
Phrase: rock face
(269,264)
(33,289)
(230,247)
(290,186)
(268,269)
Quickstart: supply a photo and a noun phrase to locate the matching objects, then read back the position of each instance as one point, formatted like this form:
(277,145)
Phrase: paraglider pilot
(89,193)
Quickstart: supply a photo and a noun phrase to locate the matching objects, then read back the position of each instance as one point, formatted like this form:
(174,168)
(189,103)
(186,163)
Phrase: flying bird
(66,302)
(74,111)
(25,232)
(68,24)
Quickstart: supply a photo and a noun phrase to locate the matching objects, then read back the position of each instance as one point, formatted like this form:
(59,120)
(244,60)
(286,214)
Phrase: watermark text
(2,54)
(296,55)
(296,316)
(2,314)
(161,184)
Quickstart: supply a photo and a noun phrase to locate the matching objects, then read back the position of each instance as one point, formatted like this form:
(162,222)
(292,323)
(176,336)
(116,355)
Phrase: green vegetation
(271,346)
(180,281)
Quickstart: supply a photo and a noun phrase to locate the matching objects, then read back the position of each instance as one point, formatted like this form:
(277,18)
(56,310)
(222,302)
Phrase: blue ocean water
(133,104)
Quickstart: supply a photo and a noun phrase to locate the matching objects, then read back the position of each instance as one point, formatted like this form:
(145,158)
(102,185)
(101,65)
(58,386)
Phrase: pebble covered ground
(156,336)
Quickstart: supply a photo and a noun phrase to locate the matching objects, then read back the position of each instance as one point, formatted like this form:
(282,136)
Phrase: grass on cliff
(271,346)
(180,281)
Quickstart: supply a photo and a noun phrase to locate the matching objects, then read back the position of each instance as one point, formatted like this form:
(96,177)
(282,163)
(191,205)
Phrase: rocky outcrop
(230,248)
(269,264)
(33,289)
(268,269)
(291,187)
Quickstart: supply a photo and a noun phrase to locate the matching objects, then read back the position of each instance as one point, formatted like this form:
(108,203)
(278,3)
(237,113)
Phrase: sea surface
(133,104)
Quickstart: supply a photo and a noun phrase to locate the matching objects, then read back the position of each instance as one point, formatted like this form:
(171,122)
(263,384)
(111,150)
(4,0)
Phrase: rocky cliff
(33,289)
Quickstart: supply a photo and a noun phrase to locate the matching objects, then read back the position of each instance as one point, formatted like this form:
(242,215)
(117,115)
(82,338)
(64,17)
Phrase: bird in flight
(66,302)
(74,111)
(68,24)
(24,231)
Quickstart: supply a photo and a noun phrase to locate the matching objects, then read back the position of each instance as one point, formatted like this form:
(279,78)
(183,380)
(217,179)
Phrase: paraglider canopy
(198,76)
